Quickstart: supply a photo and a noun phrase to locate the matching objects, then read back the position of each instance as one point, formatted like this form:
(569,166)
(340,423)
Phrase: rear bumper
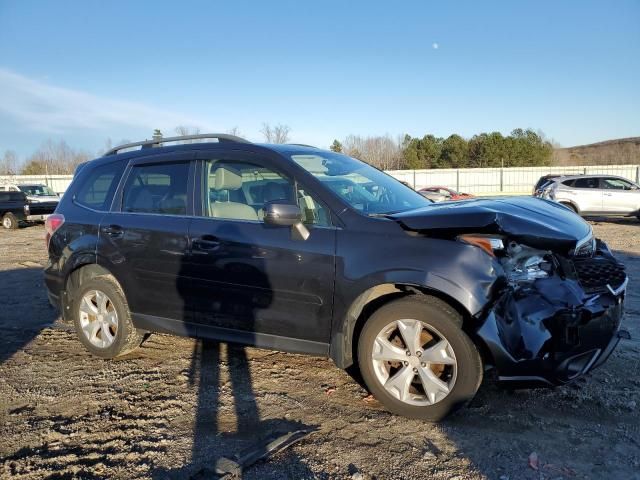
(553,333)
(36,218)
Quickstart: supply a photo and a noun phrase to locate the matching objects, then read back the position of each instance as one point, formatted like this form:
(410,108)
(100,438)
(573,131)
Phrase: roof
(595,175)
(200,141)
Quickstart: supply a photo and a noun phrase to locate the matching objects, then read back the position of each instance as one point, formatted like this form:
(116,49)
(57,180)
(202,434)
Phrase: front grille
(594,274)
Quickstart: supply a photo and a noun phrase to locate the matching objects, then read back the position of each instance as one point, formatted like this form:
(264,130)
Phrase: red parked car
(446,193)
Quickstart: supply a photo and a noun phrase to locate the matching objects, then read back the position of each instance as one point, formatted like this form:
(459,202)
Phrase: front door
(145,239)
(619,196)
(253,282)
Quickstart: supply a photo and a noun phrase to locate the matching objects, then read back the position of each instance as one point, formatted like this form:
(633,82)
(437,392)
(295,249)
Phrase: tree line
(520,148)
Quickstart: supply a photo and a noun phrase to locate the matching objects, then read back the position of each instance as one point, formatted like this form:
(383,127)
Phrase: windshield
(37,190)
(365,188)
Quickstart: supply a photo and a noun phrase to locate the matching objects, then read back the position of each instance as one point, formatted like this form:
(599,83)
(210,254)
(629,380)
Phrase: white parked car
(594,194)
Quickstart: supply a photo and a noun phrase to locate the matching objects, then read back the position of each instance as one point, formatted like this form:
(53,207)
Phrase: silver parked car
(594,194)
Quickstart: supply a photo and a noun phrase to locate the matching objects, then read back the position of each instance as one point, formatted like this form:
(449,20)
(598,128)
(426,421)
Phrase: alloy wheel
(98,318)
(414,362)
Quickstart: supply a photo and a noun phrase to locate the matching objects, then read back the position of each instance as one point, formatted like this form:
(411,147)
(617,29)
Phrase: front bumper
(552,331)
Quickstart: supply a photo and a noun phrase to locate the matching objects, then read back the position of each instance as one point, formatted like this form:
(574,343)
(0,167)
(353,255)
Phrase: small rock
(533,460)
(631,404)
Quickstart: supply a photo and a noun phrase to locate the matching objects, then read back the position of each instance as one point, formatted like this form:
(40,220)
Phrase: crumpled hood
(532,221)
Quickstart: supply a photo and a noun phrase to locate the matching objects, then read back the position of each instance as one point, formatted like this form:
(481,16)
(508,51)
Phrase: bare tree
(234,131)
(54,158)
(382,152)
(108,145)
(277,134)
(184,130)
(9,163)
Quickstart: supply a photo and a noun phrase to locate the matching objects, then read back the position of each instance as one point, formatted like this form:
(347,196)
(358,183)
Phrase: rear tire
(443,371)
(9,221)
(102,318)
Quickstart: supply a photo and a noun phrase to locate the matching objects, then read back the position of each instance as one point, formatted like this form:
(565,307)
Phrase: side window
(569,183)
(98,186)
(616,184)
(239,191)
(587,183)
(159,188)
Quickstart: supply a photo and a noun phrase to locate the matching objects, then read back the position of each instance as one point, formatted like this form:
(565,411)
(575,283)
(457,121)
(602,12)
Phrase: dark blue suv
(299,249)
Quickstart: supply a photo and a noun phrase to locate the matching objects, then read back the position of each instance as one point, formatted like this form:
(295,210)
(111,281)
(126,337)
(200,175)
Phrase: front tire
(416,360)
(9,221)
(102,319)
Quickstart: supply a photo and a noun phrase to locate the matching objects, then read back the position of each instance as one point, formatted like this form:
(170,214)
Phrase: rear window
(98,186)
(159,188)
(544,180)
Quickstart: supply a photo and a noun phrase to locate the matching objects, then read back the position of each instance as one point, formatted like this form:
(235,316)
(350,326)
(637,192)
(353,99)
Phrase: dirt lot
(173,407)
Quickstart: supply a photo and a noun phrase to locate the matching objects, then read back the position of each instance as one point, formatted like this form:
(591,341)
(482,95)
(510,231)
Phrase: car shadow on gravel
(24,310)
(215,440)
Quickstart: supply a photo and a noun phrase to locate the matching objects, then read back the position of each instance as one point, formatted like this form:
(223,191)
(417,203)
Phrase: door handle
(608,194)
(206,243)
(113,230)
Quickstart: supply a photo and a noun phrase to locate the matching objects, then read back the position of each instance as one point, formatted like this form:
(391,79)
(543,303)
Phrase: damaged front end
(556,308)
(558,315)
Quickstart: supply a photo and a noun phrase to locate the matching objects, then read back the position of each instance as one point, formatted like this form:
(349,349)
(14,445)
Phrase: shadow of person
(226,286)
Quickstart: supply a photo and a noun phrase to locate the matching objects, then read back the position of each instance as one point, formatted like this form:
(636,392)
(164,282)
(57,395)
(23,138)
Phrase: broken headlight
(525,264)
(489,244)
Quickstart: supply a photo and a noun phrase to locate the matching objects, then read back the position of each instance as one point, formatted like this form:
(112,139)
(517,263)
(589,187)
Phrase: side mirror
(283,214)
(286,214)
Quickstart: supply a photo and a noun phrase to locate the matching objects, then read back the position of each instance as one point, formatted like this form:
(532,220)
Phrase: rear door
(254,282)
(588,194)
(144,239)
(619,196)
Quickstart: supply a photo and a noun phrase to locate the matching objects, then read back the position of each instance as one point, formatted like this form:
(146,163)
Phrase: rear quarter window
(569,183)
(98,185)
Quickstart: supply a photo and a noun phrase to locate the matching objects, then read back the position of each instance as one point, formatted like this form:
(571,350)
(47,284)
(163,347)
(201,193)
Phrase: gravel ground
(174,406)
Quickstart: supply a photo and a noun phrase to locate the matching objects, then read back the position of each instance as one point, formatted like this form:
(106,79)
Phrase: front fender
(466,277)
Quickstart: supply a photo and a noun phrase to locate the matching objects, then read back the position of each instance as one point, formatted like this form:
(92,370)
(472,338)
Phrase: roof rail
(221,137)
(302,145)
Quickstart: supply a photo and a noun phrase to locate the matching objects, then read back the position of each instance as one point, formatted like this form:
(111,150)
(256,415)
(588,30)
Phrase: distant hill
(610,152)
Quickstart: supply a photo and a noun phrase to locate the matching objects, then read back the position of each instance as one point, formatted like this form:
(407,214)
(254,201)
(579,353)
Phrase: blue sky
(89,70)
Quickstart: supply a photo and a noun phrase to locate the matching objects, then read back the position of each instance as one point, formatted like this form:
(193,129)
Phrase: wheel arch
(78,274)
(571,204)
(344,341)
